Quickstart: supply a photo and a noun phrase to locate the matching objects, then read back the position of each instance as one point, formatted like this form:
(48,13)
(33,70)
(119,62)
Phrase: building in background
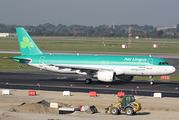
(164,28)
(8,35)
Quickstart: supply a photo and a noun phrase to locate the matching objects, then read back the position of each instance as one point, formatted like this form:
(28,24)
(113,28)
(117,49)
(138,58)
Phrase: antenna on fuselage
(77,54)
(150,55)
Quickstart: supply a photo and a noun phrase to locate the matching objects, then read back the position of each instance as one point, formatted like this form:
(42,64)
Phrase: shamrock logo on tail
(26,43)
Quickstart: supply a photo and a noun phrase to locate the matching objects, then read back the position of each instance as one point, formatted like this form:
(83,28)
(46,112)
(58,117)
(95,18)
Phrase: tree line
(47,29)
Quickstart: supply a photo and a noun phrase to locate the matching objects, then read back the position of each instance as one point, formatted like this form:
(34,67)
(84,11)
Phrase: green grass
(9,64)
(173,77)
(94,45)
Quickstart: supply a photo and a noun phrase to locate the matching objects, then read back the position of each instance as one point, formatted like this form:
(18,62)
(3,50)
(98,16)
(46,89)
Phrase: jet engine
(106,76)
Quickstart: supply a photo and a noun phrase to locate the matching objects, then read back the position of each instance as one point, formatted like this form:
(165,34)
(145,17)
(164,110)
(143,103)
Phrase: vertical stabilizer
(26,44)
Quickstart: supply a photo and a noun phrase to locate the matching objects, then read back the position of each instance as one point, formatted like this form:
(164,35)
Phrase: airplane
(104,68)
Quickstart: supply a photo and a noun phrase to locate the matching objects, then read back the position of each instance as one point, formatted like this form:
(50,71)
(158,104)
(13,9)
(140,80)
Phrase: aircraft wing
(81,68)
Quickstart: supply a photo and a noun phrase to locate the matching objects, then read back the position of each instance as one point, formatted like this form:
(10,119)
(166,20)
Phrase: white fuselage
(120,70)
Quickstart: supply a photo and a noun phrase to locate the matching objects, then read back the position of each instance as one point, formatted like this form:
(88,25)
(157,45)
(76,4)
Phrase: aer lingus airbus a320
(104,68)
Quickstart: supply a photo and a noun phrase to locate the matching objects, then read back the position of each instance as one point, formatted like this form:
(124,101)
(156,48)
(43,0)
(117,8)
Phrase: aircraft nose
(172,69)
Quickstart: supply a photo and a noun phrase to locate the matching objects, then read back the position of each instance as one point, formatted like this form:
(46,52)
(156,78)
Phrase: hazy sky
(90,12)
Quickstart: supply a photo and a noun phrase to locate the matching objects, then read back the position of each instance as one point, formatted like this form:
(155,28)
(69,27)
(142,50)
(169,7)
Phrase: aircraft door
(41,61)
(150,63)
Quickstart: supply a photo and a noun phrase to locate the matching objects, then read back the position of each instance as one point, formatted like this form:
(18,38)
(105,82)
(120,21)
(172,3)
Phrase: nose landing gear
(151,80)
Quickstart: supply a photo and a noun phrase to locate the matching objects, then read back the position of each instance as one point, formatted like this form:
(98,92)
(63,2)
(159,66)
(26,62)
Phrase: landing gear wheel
(114,111)
(88,81)
(129,111)
(151,82)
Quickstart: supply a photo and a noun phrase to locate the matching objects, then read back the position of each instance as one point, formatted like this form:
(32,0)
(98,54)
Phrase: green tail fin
(26,44)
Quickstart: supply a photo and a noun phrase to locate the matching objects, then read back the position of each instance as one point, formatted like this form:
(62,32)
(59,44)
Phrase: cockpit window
(163,63)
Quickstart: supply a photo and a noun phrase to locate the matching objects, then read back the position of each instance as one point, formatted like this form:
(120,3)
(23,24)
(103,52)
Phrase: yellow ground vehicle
(126,104)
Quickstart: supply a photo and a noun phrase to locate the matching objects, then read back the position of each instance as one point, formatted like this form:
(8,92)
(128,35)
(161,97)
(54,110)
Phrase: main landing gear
(88,81)
(151,80)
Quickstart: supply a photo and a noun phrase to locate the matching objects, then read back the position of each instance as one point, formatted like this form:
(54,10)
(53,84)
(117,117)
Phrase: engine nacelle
(106,76)
(125,77)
